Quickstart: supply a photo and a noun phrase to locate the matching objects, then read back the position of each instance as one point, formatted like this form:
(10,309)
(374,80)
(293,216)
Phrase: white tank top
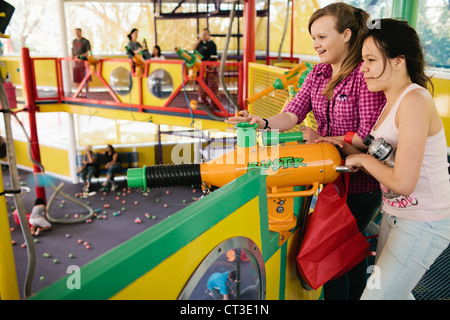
(430,201)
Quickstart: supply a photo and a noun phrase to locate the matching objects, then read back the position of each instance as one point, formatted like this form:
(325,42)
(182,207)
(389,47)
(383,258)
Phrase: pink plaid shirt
(352,108)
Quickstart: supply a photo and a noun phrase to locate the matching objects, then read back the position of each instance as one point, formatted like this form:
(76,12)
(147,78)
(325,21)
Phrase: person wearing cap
(89,168)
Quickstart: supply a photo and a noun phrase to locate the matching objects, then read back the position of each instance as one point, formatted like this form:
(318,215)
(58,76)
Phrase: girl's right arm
(282,122)
(293,112)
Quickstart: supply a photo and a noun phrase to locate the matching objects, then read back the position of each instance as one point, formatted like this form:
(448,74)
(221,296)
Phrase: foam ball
(55,261)
(12,229)
(137,220)
(23,245)
(75,215)
(165,205)
(42,278)
(117,198)
(13,242)
(124,201)
(67,235)
(70,256)
(136,202)
(80,241)
(106,205)
(88,247)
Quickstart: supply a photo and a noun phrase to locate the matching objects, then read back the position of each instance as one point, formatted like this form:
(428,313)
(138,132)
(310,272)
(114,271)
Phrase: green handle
(136,178)
(246,134)
(270,138)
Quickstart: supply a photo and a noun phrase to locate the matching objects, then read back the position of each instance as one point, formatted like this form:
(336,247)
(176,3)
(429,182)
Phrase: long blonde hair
(347,17)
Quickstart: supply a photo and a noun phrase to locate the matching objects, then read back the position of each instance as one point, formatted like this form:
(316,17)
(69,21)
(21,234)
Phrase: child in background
(38,219)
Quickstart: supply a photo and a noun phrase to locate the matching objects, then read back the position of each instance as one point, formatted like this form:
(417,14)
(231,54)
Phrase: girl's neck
(395,90)
(336,67)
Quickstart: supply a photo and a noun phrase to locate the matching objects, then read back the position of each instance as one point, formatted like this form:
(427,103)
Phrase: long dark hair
(131,32)
(347,17)
(396,38)
(39,201)
(111,147)
(159,50)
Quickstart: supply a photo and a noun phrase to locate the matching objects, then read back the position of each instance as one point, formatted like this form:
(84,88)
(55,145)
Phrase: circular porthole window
(120,81)
(234,270)
(160,83)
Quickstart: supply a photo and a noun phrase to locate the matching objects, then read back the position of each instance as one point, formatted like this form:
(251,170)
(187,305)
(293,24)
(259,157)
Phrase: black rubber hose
(173,175)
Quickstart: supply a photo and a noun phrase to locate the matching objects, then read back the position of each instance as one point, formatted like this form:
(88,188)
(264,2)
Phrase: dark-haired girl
(38,219)
(415,228)
(113,166)
(134,47)
(343,107)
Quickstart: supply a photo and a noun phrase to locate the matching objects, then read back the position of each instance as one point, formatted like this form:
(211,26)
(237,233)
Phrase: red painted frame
(138,80)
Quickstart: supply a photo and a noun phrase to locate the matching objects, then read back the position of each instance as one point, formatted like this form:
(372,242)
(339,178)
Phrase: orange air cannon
(292,77)
(282,158)
(92,62)
(138,61)
(192,60)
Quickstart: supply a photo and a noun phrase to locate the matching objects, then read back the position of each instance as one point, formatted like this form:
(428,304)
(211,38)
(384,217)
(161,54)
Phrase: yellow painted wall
(273,277)
(442,100)
(53,159)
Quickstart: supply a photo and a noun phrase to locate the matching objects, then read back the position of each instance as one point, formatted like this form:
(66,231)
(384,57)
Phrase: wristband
(267,124)
(349,137)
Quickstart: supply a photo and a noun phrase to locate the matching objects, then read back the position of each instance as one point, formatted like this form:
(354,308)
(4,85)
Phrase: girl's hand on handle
(245,116)
(309,134)
(332,140)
